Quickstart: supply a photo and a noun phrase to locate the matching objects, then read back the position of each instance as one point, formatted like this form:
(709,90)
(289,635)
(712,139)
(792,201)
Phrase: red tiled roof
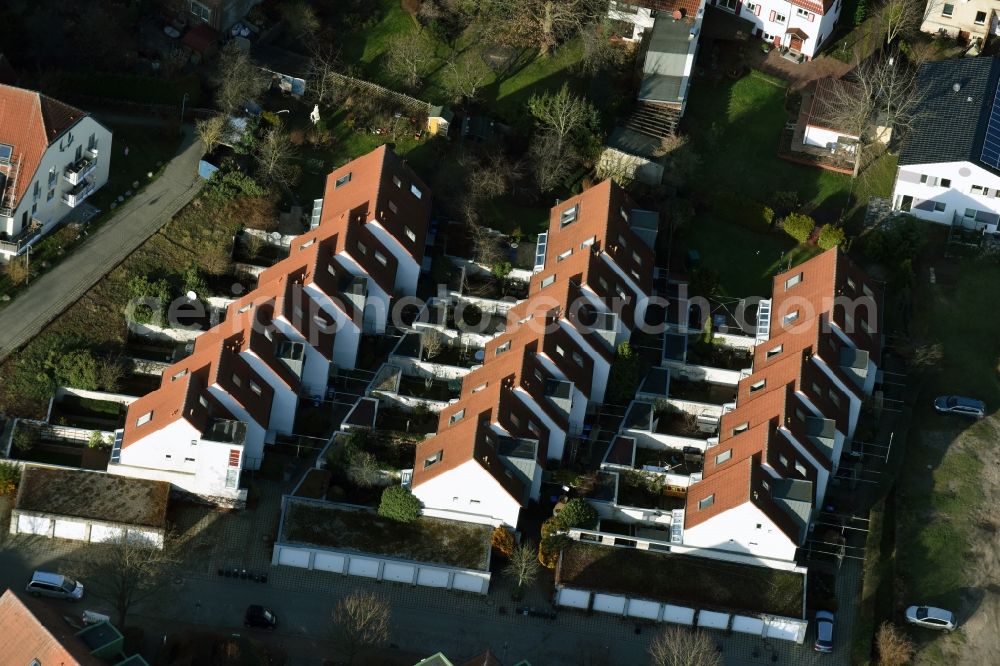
(820,7)
(30,122)
(38,633)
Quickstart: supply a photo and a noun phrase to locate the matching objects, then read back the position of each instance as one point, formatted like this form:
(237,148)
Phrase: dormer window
(791,317)
(569,215)
(792,281)
(144,419)
(343,180)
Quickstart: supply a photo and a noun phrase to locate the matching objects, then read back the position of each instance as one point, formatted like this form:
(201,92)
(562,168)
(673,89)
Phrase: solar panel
(991,144)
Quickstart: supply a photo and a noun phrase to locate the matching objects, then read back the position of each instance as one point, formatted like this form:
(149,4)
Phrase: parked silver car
(960,406)
(931,618)
(824,632)
(47,584)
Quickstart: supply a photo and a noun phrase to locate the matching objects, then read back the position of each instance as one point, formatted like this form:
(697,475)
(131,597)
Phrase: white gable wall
(737,530)
(956,198)
(766,14)
(285,398)
(469,489)
(345,343)
(256,433)
(407,270)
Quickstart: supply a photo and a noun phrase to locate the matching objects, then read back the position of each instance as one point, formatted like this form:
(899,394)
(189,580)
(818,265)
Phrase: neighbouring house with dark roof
(52,157)
(949,167)
(800,26)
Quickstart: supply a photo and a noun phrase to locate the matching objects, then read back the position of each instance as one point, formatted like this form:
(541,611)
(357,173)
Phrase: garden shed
(89,506)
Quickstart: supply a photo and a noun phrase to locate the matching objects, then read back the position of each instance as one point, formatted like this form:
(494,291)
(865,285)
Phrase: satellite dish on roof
(192,296)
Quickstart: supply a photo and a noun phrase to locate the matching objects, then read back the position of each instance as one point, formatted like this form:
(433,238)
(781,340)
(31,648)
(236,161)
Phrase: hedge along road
(132,224)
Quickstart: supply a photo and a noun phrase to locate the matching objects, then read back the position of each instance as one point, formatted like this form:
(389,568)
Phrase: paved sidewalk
(134,222)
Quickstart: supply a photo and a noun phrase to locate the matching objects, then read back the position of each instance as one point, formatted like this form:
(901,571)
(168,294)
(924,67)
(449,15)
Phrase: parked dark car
(531,611)
(960,406)
(824,632)
(260,617)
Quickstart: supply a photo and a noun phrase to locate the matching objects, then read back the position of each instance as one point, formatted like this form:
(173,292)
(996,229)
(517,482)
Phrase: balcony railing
(17,244)
(79,194)
(76,172)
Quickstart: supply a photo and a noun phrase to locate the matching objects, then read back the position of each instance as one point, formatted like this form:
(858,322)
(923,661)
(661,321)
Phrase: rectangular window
(236,380)
(343,180)
(203,401)
(380,258)
(502,348)
(834,398)
(800,468)
(415,191)
(409,233)
(978,189)
(980,18)
(799,414)
(970,212)
(38,189)
(801,12)
(791,317)
(144,419)
(189,460)
(636,258)
(564,255)
(783,461)
(6,152)
(743,427)
(533,427)
(179,375)
(587,243)
(577,359)
(255,387)
(433,459)
(923,179)
(939,207)
(752,8)
(948,10)
(707,502)
(815,389)
(457,416)
(396,181)
(547,281)
(851,285)
(771,353)
(560,350)
(792,281)
(51,194)
(362,248)
(621,241)
(779,18)
(52,176)
(201,11)
(393,207)
(569,215)
(757,386)
(602,283)
(723,457)
(515,420)
(481,387)
(945,182)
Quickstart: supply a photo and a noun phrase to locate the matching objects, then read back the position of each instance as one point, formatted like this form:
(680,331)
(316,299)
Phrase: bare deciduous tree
(17,269)
(240,80)
(485,245)
(541,24)
(408,57)
(465,76)
(431,343)
(493,176)
(894,647)
(550,163)
(211,131)
(600,51)
(324,62)
(682,646)
(276,158)
(362,620)
(523,565)
(128,569)
(300,20)
(618,166)
(562,113)
(898,17)
(110,372)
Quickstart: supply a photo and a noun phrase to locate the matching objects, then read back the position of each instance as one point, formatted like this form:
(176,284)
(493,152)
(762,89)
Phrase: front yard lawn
(425,540)
(700,582)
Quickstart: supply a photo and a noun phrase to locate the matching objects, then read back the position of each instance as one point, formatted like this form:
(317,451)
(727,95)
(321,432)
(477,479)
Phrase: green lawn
(734,128)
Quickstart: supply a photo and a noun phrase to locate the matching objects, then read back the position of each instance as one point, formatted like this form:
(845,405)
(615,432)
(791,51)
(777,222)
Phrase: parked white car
(930,617)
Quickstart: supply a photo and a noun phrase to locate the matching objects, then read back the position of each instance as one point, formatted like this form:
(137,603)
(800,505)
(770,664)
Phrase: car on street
(48,584)
(824,632)
(260,617)
(960,406)
(930,617)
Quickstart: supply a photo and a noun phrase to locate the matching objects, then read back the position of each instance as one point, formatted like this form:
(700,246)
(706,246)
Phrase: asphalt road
(135,221)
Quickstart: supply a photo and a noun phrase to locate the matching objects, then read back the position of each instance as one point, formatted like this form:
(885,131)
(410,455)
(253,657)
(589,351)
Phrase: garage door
(607,603)
(33,525)
(400,573)
(469,583)
(786,630)
(573,598)
(678,614)
(100,533)
(748,625)
(329,562)
(713,620)
(432,578)
(294,557)
(649,610)
(71,529)
(360,566)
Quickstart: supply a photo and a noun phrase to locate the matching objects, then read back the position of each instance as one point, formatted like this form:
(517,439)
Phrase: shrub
(577,513)
(830,236)
(98,441)
(799,226)
(10,477)
(785,201)
(894,647)
(400,504)
(503,540)
(549,549)
(25,438)
(861,12)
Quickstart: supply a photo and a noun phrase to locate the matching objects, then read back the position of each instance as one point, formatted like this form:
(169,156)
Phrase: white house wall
(285,398)
(376,311)
(962,19)
(471,489)
(736,530)
(407,269)
(957,197)
(346,341)
(253,444)
(818,29)
(601,368)
(821,137)
(50,211)
(557,436)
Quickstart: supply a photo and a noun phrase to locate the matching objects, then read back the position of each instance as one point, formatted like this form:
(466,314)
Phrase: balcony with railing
(79,194)
(17,243)
(75,173)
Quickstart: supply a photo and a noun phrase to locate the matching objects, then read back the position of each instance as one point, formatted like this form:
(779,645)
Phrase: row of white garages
(767,626)
(381,568)
(78,529)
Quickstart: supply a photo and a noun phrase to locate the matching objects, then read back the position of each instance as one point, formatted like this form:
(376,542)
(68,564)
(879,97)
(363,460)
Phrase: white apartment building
(966,20)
